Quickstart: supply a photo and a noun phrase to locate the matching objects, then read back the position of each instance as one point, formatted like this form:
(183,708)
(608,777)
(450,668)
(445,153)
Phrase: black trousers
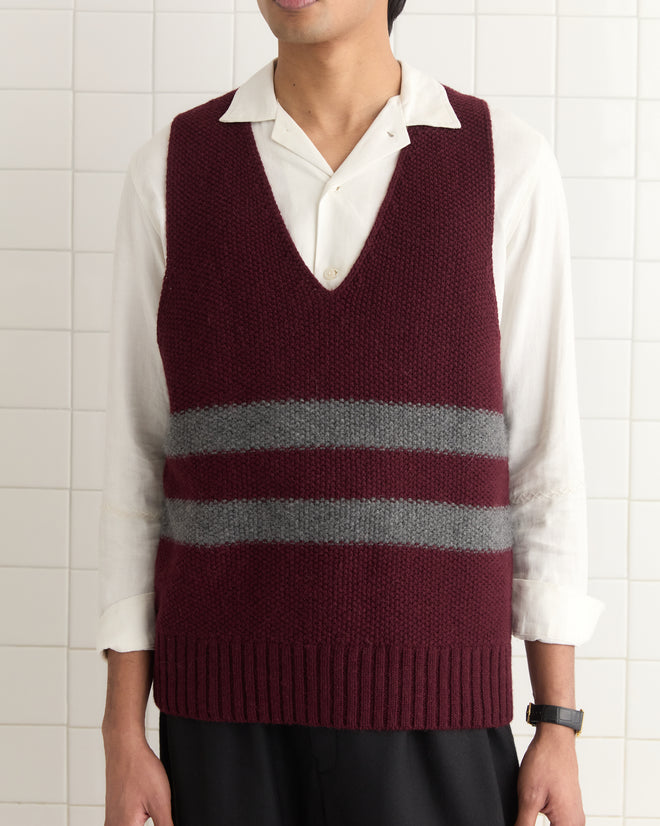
(258,774)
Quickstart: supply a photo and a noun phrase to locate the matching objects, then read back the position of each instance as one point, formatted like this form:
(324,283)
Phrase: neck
(334,88)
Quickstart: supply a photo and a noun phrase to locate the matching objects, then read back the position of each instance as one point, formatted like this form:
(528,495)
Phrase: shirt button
(330,273)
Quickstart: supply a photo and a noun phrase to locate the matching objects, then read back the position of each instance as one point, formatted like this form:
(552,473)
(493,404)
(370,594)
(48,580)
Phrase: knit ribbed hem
(337,685)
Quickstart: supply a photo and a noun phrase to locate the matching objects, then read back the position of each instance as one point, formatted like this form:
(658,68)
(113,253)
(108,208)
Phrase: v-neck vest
(335,543)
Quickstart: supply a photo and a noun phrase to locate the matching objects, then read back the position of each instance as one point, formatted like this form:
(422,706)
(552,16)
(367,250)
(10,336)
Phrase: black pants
(258,774)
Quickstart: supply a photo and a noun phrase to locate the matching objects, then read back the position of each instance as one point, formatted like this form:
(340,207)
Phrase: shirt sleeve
(550,602)
(137,416)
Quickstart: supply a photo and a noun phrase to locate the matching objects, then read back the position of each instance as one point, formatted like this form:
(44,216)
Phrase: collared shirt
(329,215)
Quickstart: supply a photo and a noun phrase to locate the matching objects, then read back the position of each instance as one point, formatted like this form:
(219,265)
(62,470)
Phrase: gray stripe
(434,524)
(337,423)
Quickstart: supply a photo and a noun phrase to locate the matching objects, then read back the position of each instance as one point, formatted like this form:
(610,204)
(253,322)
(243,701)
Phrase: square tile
(600,687)
(95,210)
(412,6)
(35,209)
(33,760)
(92,291)
(86,683)
(649,59)
(36,48)
(33,814)
(114,5)
(643,691)
(644,530)
(538,112)
(603,298)
(645,389)
(601,216)
(647,301)
(113,52)
(599,8)
(608,538)
(441,46)
(90,371)
(86,766)
(91,816)
(596,137)
(37,691)
(198,5)
(85,521)
(168,104)
(648,139)
(108,129)
(82,608)
(649,8)
(643,640)
(597,57)
(35,367)
(600,764)
(88,450)
(516,7)
(530,43)
(194,52)
(22,143)
(254,46)
(25,274)
(603,371)
(645,460)
(641,795)
(648,209)
(34,542)
(606,471)
(20,623)
(34,445)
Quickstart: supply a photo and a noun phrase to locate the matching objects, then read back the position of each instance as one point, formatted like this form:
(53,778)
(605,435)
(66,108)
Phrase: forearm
(552,675)
(130,675)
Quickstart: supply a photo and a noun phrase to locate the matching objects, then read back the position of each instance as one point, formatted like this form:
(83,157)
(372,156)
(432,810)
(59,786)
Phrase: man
(343,492)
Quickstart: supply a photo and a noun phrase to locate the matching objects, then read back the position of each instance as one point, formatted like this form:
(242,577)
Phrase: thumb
(527,814)
(162,815)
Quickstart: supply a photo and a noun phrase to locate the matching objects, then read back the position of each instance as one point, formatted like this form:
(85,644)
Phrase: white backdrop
(80,89)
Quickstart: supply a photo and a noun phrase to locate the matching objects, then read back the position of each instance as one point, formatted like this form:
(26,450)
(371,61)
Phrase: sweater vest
(336,540)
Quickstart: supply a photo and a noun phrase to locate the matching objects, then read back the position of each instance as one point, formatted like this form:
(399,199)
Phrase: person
(343,458)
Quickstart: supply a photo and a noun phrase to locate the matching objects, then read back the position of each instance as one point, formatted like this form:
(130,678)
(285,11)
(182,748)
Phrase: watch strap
(571,717)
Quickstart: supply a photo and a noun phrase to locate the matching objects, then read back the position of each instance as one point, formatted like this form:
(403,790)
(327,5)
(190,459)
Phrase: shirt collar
(423,100)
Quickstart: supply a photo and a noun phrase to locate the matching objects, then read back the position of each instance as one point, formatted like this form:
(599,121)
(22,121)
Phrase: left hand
(548,779)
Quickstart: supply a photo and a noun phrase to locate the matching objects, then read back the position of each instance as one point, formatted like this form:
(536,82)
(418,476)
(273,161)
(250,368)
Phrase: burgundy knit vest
(336,541)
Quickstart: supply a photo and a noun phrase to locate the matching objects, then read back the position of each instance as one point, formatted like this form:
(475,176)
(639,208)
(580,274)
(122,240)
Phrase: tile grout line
(72,276)
(626,687)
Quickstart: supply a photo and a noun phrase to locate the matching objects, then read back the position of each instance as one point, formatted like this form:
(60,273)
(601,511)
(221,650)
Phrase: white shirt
(329,216)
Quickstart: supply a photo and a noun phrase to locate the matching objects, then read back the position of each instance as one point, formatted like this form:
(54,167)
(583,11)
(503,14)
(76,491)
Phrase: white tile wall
(81,86)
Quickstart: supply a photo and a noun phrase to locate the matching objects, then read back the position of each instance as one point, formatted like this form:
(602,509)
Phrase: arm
(130,675)
(137,785)
(548,780)
(551,609)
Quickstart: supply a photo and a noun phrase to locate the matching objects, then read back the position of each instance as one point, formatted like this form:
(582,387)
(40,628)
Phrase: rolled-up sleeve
(550,602)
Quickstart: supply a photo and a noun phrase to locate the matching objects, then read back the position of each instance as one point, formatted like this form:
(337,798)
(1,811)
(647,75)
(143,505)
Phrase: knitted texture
(336,538)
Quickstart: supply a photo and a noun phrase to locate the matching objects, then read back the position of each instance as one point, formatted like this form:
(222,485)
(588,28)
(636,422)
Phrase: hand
(136,784)
(548,779)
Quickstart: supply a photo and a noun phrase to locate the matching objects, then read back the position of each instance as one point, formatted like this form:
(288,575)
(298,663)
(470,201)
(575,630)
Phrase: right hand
(136,784)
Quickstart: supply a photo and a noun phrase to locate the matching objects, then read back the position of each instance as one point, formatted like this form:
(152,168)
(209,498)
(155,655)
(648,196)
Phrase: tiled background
(80,89)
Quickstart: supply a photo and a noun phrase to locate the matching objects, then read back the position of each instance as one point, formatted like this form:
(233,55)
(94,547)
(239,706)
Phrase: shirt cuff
(127,625)
(548,612)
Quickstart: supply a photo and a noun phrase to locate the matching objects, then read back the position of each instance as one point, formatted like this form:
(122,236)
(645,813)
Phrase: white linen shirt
(329,216)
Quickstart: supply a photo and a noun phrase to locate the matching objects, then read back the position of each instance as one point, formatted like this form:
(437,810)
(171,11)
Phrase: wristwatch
(571,717)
